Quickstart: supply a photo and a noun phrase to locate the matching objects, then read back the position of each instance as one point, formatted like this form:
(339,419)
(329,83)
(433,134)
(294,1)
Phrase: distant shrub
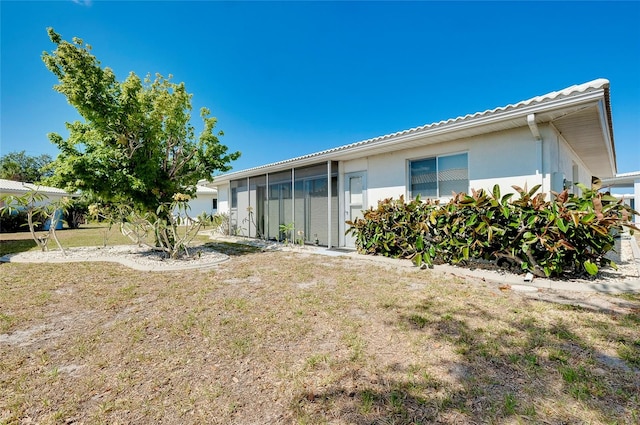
(17,222)
(76,213)
(568,236)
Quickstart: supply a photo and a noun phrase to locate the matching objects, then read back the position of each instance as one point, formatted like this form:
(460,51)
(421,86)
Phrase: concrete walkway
(607,285)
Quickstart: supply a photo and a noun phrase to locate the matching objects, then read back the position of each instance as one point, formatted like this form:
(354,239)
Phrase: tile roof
(204,190)
(14,186)
(598,84)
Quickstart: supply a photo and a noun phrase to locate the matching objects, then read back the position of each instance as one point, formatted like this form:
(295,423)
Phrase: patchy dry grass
(281,337)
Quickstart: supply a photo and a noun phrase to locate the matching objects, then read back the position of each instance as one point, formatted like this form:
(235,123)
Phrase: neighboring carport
(629,181)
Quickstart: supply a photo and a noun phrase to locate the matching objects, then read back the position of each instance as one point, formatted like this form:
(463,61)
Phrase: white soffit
(584,132)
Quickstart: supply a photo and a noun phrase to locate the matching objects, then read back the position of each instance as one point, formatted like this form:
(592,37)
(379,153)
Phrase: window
(214,204)
(439,176)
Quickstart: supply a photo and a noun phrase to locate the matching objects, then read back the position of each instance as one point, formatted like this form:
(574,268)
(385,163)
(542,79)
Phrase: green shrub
(76,213)
(17,222)
(568,236)
(394,229)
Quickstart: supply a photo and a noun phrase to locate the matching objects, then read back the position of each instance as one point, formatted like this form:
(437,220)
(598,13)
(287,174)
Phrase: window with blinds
(439,176)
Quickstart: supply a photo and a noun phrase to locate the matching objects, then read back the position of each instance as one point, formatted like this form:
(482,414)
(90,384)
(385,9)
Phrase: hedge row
(566,236)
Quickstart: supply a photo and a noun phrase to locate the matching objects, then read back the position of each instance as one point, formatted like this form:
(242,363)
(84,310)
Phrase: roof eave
(546,108)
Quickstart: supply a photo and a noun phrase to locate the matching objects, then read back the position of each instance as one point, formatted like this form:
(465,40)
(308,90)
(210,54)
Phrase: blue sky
(289,78)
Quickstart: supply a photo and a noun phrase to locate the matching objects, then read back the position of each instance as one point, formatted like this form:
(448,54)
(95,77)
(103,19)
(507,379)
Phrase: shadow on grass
(523,368)
(233,249)
(615,304)
(15,246)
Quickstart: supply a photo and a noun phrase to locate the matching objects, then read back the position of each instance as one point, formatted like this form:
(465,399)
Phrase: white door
(355,190)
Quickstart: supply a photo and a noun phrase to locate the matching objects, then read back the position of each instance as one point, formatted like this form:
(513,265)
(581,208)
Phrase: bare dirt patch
(283,337)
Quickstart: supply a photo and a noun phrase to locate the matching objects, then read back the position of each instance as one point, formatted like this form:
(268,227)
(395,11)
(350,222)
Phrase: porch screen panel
(258,206)
(300,209)
(318,210)
(239,203)
(233,211)
(311,206)
(335,216)
(453,174)
(279,204)
(243,205)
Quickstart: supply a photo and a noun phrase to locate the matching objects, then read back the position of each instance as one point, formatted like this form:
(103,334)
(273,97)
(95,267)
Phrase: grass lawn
(93,234)
(295,338)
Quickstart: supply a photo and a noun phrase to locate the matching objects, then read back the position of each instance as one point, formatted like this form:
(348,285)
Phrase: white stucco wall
(506,158)
(355,165)
(203,203)
(223,198)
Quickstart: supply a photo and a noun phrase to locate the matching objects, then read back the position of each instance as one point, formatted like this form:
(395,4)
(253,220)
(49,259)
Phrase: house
(554,140)
(11,187)
(204,201)
(629,183)
(14,188)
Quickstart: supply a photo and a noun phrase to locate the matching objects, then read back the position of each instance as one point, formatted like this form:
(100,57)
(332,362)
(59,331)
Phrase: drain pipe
(535,131)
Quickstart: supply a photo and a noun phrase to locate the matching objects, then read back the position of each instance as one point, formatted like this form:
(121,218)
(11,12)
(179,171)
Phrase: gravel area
(136,257)
(628,265)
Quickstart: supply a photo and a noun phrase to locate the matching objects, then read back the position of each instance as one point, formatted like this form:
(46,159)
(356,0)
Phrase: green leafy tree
(21,167)
(136,145)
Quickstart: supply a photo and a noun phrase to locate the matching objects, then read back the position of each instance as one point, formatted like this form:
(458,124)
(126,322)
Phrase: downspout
(535,131)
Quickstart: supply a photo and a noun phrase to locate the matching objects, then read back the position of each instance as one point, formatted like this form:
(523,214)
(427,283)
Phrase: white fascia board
(629,174)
